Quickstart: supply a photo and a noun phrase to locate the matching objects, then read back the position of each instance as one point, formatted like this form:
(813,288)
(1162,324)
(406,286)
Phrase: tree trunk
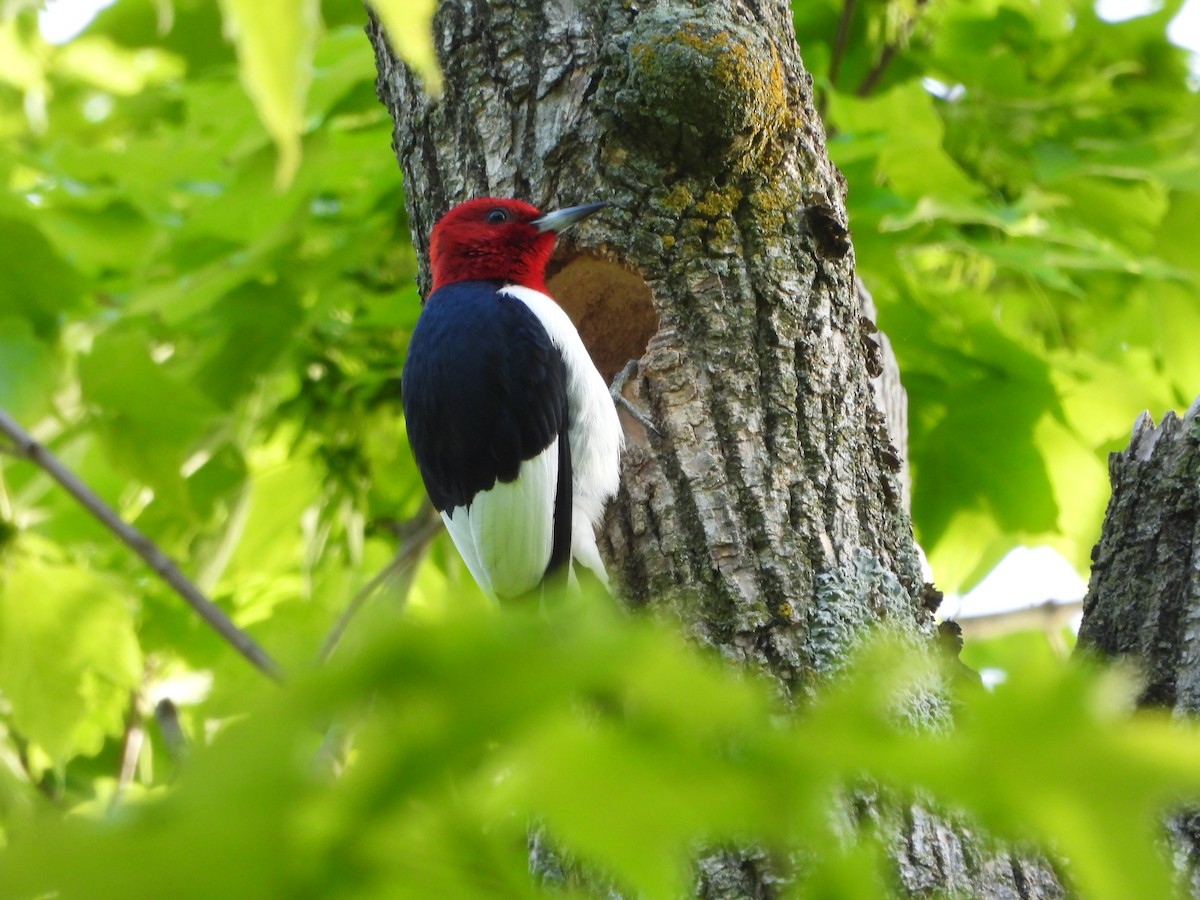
(768,498)
(1143,599)
(764,507)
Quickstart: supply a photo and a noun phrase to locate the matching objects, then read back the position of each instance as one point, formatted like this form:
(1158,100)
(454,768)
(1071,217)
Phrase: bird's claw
(617,388)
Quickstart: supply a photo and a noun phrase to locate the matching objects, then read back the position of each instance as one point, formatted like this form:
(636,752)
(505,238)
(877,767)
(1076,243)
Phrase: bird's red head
(490,239)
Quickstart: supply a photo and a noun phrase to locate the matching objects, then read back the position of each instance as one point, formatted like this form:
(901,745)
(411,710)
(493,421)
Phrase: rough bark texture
(1143,599)
(769,498)
(765,506)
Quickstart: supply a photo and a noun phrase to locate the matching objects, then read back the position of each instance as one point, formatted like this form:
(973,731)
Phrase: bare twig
(1049,617)
(26,447)
(131,748)
(617,391)
(877,70)
(839,41)
(888,53)
(416,534)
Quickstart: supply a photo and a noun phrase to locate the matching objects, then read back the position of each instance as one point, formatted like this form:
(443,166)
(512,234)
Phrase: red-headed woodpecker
(513,429)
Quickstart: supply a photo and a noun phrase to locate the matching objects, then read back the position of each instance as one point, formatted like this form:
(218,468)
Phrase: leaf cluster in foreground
(632,750)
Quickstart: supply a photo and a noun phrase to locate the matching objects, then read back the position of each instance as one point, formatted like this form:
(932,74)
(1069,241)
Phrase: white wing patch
(595,429)
(506,535)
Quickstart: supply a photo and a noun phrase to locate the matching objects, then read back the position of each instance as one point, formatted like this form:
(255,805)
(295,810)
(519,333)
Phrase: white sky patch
(62,20)
(1120,10)
(1184,30)
(992,677)
(1026,577)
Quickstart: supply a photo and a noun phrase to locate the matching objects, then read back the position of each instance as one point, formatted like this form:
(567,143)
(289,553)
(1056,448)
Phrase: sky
(1184,30)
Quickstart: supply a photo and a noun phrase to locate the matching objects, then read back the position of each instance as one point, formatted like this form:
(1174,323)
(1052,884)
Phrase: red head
(503,240)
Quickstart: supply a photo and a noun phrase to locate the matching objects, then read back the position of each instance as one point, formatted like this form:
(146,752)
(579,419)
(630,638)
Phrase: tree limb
(839,41)
(888,53)
(26,447)
(1049,617)
(872,77)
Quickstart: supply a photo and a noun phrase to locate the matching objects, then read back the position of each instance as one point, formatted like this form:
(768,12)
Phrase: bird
(513,428)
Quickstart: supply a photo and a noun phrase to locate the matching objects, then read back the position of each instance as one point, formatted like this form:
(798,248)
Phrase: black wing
(484,389)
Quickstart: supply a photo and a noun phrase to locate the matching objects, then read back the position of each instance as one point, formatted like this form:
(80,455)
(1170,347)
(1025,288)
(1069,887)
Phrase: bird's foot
(619,398)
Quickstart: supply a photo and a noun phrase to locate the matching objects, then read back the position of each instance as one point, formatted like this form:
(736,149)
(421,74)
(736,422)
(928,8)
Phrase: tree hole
(611,306)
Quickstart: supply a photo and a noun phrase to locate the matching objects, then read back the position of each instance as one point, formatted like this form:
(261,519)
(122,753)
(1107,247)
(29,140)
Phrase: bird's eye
(497,216)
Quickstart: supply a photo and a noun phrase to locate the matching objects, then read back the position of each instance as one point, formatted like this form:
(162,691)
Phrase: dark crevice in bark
(534,50)
(1019,880)
(633,577)
(794,507)
(687,516)
(805,435)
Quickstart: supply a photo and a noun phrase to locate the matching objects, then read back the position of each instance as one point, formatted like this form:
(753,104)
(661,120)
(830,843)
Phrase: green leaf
(151,421)
(101,241)
(244,335)
(634,753)
(38,284)
(1129,212)
(1018,650)
(340,67)
(1177,312)
(909,137)
(69,656)
(266,562)
(407,25)
(28,372)
(204,283)
(981,480)
(275,40)
(101,63)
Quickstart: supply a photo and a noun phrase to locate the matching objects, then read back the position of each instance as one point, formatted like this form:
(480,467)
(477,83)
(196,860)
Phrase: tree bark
(1143,599)
(764,507)
(768,498)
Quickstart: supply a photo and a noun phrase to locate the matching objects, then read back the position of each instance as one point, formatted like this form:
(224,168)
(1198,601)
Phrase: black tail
(558,568)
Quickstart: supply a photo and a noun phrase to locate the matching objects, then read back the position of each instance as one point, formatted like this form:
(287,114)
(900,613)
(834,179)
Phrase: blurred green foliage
(216,356)
(206,288)
(1024,182)
(635,751)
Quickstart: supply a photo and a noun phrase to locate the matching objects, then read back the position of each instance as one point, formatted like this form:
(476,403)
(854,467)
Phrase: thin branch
(889,53)
(27,448)
(131,748)
(417,533)
(839,41)
(1049,617)
(877,70)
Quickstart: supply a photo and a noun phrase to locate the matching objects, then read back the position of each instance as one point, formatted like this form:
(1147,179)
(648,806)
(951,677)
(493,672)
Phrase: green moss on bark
(702,96)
